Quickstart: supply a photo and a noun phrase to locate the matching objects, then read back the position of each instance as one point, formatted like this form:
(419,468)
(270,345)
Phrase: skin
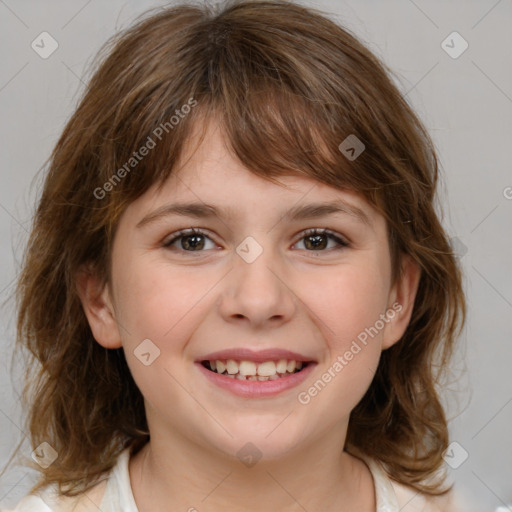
(311,301)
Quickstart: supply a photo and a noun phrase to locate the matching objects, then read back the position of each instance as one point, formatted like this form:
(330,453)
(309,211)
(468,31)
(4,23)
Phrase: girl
(237,292)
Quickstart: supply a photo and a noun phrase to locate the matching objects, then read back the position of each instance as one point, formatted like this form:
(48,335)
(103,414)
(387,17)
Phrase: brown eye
(190,240)
(318,240)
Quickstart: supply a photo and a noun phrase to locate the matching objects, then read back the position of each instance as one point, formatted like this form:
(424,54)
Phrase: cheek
(346,313)
(345,302)
(162,305)
(348,306)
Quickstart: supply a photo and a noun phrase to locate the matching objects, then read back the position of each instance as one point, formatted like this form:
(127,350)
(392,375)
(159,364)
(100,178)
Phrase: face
(259,285)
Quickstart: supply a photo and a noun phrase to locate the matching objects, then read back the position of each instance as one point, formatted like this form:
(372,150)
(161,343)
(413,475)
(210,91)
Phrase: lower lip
(254,388)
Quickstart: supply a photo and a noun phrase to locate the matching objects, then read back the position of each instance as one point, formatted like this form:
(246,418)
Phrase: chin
(266,440)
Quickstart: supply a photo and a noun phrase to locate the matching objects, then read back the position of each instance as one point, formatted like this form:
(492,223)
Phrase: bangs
(273,132)
(282,110)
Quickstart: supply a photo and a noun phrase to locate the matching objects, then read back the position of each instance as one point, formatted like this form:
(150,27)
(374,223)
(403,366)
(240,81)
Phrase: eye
(192,240)
(316,239)
(195,240)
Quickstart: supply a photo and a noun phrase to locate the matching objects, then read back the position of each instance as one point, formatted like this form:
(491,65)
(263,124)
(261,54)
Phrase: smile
(243,379)
(249,370)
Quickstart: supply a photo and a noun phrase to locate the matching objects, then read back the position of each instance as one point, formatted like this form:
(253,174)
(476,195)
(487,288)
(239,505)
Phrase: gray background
(465,102)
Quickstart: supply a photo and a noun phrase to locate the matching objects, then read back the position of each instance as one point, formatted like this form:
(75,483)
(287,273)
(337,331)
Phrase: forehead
(211,177)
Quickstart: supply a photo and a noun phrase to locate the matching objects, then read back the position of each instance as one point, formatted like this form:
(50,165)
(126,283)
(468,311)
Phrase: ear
(401,301)
(98,308)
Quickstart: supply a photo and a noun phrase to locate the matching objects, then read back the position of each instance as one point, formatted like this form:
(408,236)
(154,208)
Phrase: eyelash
(308,232)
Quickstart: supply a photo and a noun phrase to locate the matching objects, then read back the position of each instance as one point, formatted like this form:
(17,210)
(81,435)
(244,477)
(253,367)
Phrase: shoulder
(29,503)
(103,495)
(49,500)
(395,496)
(411,500)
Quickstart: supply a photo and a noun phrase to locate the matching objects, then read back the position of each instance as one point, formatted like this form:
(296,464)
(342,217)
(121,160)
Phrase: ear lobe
(402,297)
(98,308)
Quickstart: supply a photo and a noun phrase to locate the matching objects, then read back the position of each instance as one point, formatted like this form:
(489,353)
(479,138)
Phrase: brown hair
(278,76)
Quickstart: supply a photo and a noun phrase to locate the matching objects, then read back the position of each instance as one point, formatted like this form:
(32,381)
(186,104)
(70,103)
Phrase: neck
(177,474)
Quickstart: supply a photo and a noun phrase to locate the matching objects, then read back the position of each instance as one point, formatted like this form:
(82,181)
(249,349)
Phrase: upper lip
(257,356)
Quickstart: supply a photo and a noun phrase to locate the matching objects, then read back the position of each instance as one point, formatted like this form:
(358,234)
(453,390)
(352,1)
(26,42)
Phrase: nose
(258,292)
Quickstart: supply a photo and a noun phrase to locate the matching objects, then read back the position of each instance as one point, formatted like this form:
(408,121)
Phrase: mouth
(256,380)
(246,370)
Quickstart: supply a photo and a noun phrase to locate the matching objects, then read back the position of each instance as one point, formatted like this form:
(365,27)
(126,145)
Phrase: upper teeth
(248,368)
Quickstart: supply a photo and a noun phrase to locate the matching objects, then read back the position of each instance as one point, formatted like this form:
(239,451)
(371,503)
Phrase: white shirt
(118,495)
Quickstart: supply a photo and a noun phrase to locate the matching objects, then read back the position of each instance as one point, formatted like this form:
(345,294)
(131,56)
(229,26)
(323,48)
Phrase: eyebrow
(304,212)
